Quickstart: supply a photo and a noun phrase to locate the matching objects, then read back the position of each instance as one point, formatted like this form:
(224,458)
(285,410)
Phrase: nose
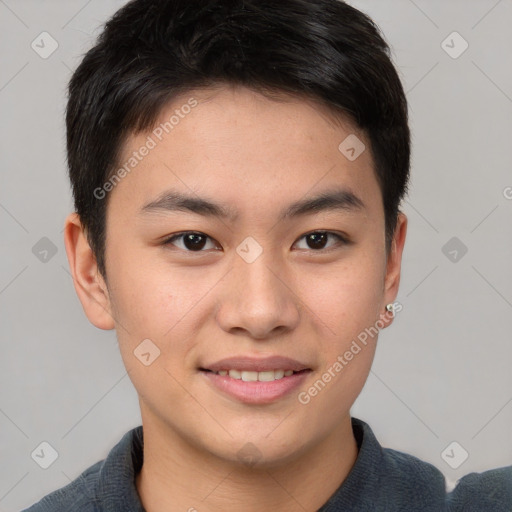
(258,299)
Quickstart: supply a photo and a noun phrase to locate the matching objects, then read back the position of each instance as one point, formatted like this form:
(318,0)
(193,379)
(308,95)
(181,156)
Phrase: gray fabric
(382,480)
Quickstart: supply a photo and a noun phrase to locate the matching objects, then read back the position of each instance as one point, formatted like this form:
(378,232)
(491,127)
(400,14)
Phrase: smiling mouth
(253,376)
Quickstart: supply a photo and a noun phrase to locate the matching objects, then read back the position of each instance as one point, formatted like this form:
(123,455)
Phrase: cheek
(144,295)
(346,304)
(162,304)
(153,316)
(347,298)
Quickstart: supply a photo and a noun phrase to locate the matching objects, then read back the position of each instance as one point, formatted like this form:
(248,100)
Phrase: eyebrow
(333,200)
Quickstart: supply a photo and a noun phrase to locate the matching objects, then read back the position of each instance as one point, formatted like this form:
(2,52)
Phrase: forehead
(237,143)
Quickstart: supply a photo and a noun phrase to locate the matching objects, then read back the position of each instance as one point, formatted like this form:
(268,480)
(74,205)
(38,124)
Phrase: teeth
(266,376)
(235,374)
(248,376)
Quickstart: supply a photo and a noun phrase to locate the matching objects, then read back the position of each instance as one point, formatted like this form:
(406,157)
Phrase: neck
(176,476)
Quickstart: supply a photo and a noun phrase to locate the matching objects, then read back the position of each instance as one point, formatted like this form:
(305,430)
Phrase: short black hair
(150,51)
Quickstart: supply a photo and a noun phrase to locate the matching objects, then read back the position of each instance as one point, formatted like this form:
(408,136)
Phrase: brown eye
(317,240)
(190,241)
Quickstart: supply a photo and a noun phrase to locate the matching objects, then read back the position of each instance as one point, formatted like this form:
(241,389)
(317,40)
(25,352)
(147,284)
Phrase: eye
(191,241)
(194,241)
(317,240)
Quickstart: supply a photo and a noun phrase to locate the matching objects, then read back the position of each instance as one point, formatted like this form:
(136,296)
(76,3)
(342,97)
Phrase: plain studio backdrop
(441,384)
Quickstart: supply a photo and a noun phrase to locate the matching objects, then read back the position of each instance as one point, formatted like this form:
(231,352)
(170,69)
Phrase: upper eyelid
(176,236)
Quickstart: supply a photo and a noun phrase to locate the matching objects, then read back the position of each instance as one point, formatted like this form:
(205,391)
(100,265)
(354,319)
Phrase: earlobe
(89,284)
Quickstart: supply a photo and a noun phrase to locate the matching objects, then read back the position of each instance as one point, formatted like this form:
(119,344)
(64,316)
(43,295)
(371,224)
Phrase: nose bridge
(257,300)
(255,272)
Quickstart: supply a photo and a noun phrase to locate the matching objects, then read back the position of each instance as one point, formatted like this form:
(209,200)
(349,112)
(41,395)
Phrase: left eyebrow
(341,199)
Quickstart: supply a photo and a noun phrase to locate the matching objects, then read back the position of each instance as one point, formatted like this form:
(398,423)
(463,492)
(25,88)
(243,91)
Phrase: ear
(393,268)
(89,284)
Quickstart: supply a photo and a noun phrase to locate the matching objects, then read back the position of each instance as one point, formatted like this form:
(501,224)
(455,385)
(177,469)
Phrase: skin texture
(255,155)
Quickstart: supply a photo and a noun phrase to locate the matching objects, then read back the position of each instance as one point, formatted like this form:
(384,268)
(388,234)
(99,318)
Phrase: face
(262,280)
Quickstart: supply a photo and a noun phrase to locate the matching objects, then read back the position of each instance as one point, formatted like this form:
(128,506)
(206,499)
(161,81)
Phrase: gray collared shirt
(381,480)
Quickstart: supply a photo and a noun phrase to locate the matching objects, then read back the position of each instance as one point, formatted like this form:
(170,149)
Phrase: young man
(237,168)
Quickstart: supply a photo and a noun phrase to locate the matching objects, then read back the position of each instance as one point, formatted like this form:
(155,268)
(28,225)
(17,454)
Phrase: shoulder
(385,479)
(402,482)
(106,485)
(80,495)
(490,491)
(406,480)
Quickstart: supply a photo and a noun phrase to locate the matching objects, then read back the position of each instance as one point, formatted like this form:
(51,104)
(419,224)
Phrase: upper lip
(253,364)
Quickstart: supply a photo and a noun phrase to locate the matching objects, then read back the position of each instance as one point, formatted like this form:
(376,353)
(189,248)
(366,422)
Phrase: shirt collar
(116,486)
(363,478)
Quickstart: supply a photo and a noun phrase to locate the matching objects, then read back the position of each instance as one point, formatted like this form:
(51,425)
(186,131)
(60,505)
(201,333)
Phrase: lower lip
(258,392)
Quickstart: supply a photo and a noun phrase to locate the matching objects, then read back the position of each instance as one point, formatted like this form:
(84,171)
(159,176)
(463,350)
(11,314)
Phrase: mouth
(255,381)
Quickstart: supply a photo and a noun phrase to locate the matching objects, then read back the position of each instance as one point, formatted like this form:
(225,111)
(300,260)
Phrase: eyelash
(341,239)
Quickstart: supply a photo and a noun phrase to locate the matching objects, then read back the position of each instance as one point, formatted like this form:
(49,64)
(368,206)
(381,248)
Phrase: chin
(261,451)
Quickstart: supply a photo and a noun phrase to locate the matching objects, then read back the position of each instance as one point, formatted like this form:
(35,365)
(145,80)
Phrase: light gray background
(442,370)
